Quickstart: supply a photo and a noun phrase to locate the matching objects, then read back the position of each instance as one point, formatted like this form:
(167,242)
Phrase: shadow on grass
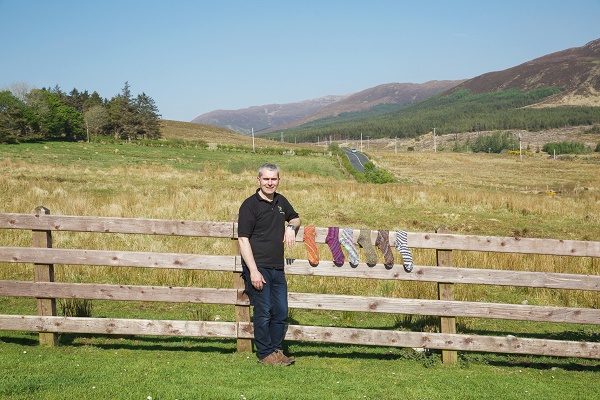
(132,342)
(21,338)
(428,358)
(579,335)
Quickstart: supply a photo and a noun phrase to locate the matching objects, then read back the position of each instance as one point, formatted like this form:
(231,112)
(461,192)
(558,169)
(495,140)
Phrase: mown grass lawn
(185,368)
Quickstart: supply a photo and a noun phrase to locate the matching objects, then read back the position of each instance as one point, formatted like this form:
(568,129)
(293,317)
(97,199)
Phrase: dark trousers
(270,310)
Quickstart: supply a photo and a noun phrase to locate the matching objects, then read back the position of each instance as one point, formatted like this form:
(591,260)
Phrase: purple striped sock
(333,242)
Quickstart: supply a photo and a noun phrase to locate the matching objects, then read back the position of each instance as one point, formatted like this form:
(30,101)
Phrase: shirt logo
(280,210)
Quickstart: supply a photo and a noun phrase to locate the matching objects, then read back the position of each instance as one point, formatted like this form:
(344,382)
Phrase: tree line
(461,111)
(28,114)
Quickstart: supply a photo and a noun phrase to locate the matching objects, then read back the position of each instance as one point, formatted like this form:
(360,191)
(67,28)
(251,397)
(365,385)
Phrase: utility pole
(361,141)
(253,141)
(520,149)
(434,142)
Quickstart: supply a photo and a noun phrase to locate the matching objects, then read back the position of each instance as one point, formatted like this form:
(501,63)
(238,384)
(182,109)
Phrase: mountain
(264,117)
(389,93)
(576,70)
(271,117)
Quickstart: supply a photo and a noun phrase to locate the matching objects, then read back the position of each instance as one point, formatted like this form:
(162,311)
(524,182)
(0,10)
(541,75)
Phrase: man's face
(268,182)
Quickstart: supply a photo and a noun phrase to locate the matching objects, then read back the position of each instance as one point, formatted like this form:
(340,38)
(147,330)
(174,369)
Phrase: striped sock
(333,242)
(311,245)
(347,241)
(402,247)
(383,242)
(364,241)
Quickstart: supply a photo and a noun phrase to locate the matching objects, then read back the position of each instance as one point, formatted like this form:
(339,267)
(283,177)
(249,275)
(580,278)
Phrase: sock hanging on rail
(333,242)
(311,245)
(347,240)
(364,241)
(383,242)
(402,247)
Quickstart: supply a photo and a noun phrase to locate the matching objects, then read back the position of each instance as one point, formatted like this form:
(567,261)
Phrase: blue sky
(193,57)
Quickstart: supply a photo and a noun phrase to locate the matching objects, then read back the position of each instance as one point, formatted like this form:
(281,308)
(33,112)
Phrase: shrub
(377,175)
(564,148)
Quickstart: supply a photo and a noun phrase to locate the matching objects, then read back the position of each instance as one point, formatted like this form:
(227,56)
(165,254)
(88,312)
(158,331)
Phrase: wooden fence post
(242,312)
(44,273)
(446,292)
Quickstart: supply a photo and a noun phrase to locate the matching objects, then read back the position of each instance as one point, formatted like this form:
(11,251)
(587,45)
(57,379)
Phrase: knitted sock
(402,247)
(383,242)
(347,241)
(311,245)
(333,242)
(364,241)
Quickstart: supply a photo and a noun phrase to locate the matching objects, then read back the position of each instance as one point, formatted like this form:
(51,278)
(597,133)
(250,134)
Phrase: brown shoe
(271,359)
(285,360)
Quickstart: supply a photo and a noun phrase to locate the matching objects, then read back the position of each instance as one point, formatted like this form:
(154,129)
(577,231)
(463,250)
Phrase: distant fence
(46,290)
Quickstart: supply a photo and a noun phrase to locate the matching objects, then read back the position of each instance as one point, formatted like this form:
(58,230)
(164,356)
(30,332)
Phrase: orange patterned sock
(311,245)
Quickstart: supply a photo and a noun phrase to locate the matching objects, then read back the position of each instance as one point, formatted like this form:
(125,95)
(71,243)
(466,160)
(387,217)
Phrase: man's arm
(246,251)
(290,234)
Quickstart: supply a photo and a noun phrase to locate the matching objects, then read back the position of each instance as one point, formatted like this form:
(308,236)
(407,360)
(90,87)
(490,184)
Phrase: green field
(481,194)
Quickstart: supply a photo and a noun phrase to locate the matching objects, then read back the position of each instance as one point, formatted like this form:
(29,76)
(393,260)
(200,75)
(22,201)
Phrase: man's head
(268,180)
(268,167)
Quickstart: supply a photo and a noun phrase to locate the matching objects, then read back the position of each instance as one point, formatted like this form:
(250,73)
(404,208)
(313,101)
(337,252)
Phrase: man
(262,233)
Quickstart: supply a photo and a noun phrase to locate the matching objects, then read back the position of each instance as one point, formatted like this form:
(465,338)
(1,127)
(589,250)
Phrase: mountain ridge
(575,70)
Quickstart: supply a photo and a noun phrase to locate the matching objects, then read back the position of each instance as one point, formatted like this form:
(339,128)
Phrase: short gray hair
(268,166)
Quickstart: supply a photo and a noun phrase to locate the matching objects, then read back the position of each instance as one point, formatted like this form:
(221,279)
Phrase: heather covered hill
(575,70)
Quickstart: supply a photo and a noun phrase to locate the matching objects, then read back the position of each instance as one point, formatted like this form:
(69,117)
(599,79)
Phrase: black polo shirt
(263,222)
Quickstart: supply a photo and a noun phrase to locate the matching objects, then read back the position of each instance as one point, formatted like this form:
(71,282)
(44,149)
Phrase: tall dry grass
(468,193)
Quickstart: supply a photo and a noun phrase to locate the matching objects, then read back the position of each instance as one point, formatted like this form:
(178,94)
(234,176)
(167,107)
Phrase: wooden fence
(46,290)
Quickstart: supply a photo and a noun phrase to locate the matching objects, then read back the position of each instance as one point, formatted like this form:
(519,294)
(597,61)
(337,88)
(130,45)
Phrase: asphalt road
(356,159)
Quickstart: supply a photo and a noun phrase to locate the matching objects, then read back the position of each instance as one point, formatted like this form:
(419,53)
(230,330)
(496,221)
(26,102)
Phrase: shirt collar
(260,198)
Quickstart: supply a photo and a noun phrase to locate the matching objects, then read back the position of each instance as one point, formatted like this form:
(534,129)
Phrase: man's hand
(290,237)
(257,280)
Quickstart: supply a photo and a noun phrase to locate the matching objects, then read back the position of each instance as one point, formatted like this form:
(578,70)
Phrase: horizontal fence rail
(332,302)
(45,290)
(300,267)
(357,336)
(229,230)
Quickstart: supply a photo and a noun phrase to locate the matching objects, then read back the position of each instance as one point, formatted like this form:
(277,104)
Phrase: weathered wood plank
(115,258)
(44,273)
(505,244)
(446,292)
(116,326)
(94,291)
(493,344)
(116,225)
(447,274)
(442,341)
(304,300)
(499,244)
(229,230)
(444,308)
(301,267)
